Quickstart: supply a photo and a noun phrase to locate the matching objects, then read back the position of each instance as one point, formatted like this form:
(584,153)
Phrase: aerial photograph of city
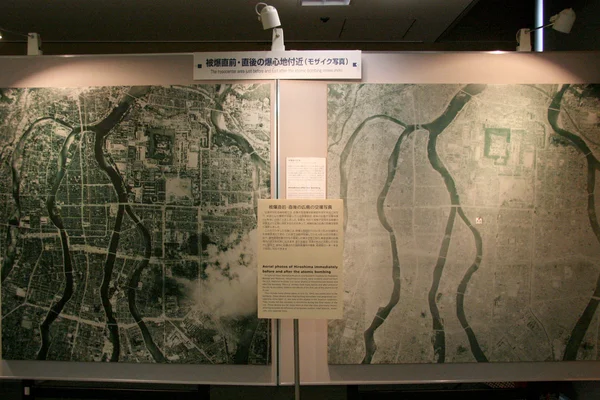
(471,229)
(129,223)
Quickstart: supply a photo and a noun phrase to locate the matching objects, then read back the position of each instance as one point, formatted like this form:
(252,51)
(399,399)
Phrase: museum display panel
(492,197)
(468,182)
(130,222)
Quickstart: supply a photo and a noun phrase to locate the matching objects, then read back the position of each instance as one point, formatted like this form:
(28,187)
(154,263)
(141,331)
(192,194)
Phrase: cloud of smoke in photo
(230,289)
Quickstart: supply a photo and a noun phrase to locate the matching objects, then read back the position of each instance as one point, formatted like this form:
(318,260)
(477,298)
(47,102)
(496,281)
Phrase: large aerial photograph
(471,228)
(129,223)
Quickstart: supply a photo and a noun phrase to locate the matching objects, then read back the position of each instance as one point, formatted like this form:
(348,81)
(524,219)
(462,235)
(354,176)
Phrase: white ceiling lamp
(561,22)
(34,41)
(269,17)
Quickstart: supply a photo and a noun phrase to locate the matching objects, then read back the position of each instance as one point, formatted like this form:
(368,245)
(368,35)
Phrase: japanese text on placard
(274,62)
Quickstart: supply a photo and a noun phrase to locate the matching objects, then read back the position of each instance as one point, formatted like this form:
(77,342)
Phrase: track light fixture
(561,22)
(269,17)
(34,41)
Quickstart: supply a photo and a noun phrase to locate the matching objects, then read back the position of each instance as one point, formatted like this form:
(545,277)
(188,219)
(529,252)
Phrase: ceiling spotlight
(269,17)
(34,41)
(561,22)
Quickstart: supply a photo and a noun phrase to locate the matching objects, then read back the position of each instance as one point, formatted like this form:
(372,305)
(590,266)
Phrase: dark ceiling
(119,26)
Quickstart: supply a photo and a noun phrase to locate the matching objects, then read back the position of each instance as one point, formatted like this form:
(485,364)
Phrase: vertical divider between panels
(276,138)
(296,359)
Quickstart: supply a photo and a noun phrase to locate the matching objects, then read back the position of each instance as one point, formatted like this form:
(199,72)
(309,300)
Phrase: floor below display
(15,390)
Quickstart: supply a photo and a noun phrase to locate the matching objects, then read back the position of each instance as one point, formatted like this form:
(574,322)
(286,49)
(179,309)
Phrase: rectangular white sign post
(300,257)
(319,64)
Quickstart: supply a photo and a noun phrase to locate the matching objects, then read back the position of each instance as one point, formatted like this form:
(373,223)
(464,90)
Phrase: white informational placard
(300,259)
(306,178)
(321,64)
